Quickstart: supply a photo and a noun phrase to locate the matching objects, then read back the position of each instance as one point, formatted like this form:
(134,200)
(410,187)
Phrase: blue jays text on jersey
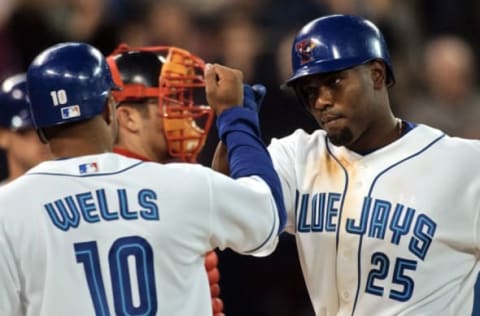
(376,216)
(93,206)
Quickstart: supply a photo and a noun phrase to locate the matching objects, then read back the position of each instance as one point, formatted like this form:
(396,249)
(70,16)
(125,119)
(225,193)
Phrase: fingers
(225,73)
(211,264)
(210,79)
(223,87)
(215,290)
(217,306)
(213,276)
(211,260)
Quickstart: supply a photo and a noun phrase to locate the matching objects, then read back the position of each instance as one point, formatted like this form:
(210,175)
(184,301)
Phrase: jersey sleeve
(239,129)
(10,286)
(243,215)
(282,153)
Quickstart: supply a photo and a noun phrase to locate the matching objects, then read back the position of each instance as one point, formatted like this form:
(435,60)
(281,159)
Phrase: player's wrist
(237,119)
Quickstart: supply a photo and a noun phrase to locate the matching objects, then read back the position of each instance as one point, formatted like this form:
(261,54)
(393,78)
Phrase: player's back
(109,235)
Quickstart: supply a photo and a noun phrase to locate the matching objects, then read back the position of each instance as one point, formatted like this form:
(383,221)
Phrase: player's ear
(128,118)
(109,110)
(378,73)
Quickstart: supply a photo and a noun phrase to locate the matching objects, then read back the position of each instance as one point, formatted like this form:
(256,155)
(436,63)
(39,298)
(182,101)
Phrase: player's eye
(310,93)
(334,82)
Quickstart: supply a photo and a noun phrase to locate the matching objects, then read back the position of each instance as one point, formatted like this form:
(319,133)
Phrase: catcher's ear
(128,118)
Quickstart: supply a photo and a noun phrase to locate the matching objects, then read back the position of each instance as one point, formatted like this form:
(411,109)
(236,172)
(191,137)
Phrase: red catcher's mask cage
(180,93)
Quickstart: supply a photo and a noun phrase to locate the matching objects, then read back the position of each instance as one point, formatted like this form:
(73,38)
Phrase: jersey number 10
(135,246)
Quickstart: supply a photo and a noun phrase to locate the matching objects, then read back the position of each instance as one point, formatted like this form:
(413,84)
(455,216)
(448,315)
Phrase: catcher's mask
(175,77)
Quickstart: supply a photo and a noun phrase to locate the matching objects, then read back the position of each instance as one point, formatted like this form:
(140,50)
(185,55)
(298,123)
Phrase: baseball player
(17,135)
(384,211)
(158,117)
(94,232)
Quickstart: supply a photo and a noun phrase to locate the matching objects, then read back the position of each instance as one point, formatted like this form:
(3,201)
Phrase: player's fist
(223,87)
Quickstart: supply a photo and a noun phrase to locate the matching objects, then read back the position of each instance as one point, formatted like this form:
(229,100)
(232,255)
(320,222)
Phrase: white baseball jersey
(394,232)
(110,235)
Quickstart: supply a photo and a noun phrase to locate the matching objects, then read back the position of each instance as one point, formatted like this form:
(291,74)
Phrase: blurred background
(433,43)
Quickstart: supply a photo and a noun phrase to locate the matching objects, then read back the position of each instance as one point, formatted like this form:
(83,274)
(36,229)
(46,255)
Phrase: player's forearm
(220,160)
(239,129)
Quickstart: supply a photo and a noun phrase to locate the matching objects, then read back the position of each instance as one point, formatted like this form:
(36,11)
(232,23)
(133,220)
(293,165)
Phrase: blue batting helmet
(68,82)
(14,106)
(337,42)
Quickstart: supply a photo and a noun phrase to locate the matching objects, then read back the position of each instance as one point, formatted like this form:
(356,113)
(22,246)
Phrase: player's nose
(323,100)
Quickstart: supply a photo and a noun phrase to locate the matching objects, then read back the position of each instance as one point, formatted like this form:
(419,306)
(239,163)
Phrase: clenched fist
(223,87)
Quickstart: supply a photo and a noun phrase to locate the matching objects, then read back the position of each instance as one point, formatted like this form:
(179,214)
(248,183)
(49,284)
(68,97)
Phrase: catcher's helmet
(68,82)
(337,42)
(14,106)
(175,77)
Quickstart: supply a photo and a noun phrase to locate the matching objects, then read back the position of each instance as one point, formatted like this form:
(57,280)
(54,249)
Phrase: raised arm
(239,130)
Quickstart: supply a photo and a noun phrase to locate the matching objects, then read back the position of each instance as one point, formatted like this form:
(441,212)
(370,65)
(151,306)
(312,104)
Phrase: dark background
(249,35)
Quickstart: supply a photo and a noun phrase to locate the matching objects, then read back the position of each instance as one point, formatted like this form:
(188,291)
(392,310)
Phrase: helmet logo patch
(304,50)
(70,112)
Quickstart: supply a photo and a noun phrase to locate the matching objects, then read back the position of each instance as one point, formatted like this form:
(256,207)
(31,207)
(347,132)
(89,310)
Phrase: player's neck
(133,146)
(380,136)
(15,170)
(85,138)
(80,146)
(129,153)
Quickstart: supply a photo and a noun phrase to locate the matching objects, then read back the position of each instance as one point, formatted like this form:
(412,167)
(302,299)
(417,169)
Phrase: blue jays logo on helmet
(337,42)
(304,50)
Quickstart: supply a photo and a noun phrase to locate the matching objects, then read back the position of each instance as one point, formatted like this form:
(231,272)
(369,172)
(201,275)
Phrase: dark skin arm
(220,159)
(224,90)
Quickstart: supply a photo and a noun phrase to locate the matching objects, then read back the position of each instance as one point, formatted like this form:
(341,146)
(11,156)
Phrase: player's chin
(340,137)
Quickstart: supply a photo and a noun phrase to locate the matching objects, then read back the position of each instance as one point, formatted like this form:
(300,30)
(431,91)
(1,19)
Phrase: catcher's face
(181,116)
(170,135)
(186,128)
